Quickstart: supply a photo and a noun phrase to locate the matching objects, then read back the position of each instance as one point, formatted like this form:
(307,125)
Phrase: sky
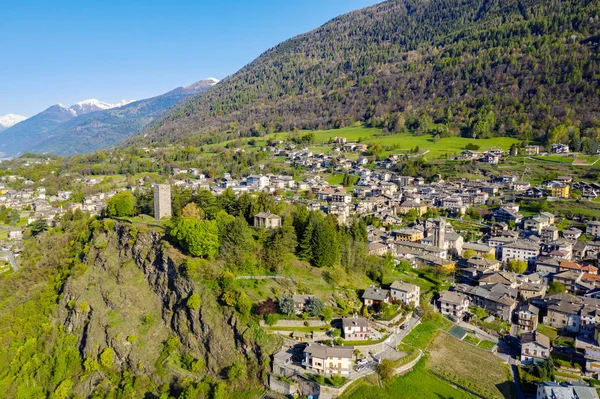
(67,51)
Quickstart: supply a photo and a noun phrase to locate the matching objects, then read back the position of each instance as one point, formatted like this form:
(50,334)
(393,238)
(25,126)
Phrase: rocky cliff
(132,300)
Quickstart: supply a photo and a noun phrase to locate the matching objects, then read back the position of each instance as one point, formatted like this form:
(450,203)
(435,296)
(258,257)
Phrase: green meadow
(401,142)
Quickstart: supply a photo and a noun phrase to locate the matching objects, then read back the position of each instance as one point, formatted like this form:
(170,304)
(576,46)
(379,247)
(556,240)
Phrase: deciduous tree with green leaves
(198,237)
(121,204)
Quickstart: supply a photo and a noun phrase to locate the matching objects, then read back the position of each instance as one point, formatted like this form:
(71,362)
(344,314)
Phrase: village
(522,287)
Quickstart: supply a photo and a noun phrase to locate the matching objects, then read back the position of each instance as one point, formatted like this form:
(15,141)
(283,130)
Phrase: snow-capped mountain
(92,105)
(9,120)
(90,124)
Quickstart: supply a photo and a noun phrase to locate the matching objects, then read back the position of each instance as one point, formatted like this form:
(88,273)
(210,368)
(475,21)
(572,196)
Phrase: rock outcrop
(132,299)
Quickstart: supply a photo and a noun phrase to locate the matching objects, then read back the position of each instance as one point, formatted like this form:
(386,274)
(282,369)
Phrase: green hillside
(473,68)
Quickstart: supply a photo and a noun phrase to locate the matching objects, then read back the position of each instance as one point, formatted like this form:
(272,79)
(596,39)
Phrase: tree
(327,313)
(556,288)
(121,204)
(324,246)
(38,226)
(14,217)
(63,390)
(286,304)
(517,266)
(267,307)
(404,265)
(198,237)
(468,253)
(315,306)
(192,211)
(207,202)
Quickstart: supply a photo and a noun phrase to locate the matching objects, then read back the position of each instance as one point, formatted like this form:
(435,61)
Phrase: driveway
(11,259)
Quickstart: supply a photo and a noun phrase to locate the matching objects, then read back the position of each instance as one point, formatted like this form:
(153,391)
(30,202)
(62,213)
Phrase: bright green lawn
(548,331)
(421,335)
(335,179)
(365,341)
(488,345)
(408,277)
(418,383)
(402,141)
(555,158)
(472,340)
(300,329)
(407,141)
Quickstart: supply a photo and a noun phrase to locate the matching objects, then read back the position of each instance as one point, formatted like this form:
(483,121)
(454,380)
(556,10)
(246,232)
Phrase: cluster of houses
(322,359)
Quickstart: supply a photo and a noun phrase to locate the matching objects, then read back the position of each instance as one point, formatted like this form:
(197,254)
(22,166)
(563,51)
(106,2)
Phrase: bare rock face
(132,299)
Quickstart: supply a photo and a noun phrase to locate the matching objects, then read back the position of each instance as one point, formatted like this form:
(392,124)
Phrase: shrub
(327,314)
(271,319)
(386,369)
(236,372)
(107,357)
(193,302)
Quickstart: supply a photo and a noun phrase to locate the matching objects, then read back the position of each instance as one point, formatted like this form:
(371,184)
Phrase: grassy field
(401,142)
(365,342)
(548,331)
(485,344)
(408,277)
(469,367)
(555,158)
(472,340)
(418,383)
(301,329)
(421,335)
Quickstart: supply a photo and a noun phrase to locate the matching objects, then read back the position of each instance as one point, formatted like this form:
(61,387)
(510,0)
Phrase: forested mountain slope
(527,68)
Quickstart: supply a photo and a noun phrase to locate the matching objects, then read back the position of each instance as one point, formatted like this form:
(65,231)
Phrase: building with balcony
(328,360)
(454,304)
(406,293)
(528,318)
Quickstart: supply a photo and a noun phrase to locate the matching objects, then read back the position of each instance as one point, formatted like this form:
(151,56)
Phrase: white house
(356,328)
(406,293)
(328,360)
(593,229)
(535,348)
(258,181)
(520,250)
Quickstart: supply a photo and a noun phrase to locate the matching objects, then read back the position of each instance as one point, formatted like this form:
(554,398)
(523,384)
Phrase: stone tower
(162,201)
(439,233)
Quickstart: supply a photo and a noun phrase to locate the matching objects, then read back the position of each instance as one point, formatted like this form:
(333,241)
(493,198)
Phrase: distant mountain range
(88,125)
(10,120)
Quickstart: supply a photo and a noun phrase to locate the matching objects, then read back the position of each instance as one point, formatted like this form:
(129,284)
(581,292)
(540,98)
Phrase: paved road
(518,390)
(395,338)
(13,262)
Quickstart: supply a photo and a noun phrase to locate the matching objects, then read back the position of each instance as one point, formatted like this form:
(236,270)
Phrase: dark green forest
(484,68)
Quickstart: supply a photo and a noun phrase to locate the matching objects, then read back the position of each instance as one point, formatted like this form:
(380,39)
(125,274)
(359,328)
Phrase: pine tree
(305,246)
